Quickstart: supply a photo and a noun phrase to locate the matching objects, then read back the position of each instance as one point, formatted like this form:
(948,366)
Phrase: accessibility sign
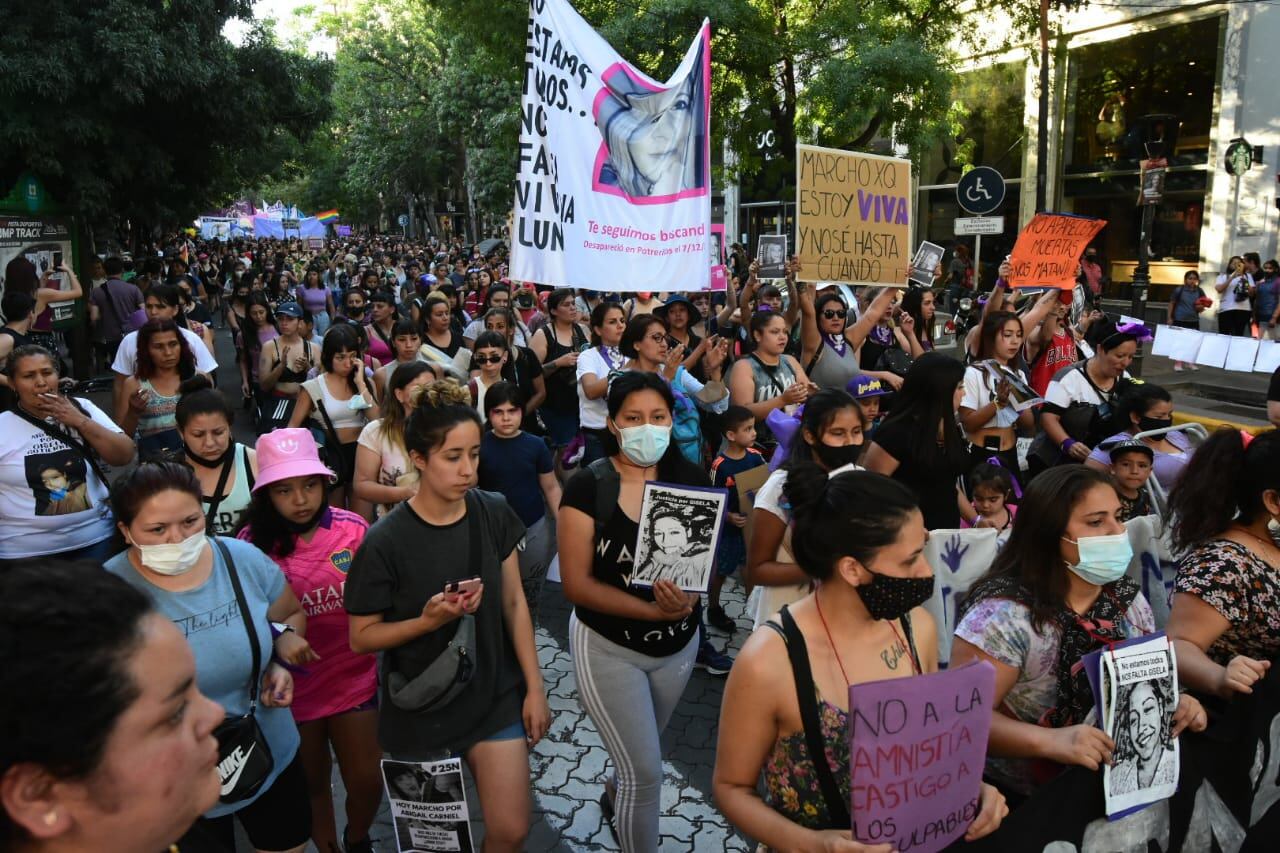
(980,191)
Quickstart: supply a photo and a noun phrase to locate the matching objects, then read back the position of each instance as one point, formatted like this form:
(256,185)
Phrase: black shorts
(280,819)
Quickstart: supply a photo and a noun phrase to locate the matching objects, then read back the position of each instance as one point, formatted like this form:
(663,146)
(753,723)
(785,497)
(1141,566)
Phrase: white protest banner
(1152,567)
(614,178)
(958,558)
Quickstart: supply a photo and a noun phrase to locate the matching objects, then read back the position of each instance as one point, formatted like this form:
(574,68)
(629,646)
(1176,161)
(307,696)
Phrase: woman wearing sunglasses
(829,342)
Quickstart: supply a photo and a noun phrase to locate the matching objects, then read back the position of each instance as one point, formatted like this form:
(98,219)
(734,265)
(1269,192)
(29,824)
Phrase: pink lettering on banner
(917,748)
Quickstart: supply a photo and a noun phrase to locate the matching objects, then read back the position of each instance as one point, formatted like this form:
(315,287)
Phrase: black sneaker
(606,808)
(721,621)
(365,846)
(714,662)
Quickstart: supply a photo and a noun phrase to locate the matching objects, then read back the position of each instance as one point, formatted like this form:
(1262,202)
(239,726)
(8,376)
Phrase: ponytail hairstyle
(438,407)
(853,514)
(760,319)
(1136,399)
(394,415)
(130,491)
(1224,482)
(819,411)
(199,397)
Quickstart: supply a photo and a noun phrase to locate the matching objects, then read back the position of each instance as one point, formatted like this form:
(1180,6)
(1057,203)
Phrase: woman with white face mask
(204,586)
(633,647)
(1056,592)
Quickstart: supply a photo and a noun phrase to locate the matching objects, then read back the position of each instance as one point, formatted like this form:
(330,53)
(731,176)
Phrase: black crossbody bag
(244,756)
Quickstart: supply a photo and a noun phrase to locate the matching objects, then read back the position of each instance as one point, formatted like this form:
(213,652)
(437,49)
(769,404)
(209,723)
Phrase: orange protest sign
(1048,250)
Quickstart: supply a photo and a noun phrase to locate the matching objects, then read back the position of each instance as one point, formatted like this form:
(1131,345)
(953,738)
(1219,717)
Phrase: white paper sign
(1241,354)
(614,176)
(1268,360)
(1186,344)
(1164,340)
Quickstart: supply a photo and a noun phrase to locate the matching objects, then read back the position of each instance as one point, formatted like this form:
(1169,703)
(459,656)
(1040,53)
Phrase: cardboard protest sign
(1048,250)
(853,216)
(428,806)
(917,750)
(679,533)
(614,173)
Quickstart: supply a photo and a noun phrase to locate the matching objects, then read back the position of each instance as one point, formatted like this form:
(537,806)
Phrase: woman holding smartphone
(411,610)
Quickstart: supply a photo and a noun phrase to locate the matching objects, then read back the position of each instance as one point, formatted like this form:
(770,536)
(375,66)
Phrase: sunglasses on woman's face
(833,313)
(487,359)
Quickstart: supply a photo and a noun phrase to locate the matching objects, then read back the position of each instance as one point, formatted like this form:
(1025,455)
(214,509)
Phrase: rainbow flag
(325,216)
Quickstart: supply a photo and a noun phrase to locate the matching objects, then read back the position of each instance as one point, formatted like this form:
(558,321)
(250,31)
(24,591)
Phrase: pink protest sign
(917,748)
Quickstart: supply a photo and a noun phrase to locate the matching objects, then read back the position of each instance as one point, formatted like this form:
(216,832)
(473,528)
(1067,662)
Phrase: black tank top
(288,374)
(562,390)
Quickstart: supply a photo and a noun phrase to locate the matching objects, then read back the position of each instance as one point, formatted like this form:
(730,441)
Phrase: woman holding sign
(1056,592)
(633,647)
(861,537)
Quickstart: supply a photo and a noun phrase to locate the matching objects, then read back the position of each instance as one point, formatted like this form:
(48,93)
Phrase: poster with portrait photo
(928,258)
(1139,693)
(772,255)
(679,531)
(428,806)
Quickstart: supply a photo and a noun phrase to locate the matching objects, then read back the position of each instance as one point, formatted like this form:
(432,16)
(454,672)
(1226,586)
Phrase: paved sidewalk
(568,767)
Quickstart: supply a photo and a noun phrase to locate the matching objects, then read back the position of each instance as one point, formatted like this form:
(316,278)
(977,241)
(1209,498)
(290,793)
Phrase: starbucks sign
(1239,158)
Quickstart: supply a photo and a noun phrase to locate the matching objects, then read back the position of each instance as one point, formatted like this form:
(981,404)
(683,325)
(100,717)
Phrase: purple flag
(917,749)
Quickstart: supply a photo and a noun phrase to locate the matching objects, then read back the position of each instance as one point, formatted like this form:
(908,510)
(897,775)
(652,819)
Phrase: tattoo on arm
(893,654)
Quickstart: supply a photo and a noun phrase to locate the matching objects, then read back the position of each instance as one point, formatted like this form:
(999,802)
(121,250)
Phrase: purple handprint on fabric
(952,553)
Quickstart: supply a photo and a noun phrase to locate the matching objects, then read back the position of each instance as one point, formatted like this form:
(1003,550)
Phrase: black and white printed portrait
(655,139)
(1145,756)
(419,797)
(678,533)
(772,255)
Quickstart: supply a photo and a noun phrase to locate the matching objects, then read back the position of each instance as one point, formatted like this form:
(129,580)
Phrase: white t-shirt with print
(1072,387)
(51,501)
(126,363)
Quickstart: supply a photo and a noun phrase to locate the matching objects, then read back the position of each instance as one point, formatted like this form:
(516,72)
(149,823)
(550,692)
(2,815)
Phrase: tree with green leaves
(142,109)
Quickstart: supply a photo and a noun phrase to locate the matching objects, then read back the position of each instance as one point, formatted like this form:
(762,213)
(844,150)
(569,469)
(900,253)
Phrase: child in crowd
(867,390)
(518,465)
(738,426)
(1131,465)
(992,489)
(489,357)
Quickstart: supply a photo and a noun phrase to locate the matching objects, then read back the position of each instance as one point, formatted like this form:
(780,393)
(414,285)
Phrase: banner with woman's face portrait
(614,178)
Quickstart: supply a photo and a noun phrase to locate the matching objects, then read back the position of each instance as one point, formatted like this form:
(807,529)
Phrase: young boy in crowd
(867,390)
(518,466)
(1131,465)
(738,426)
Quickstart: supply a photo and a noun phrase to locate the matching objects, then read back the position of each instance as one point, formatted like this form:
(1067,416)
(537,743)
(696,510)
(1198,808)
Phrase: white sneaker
(1177,367)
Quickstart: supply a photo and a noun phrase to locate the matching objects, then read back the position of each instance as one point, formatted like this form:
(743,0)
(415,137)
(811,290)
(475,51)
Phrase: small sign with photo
(428,806)
(1021,395)
(679,531)
(1138,689)
(928,258)
(772,255)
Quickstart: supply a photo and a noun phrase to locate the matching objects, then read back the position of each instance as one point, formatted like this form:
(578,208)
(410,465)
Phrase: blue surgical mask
(1103,559)
(644,444)
(57,494)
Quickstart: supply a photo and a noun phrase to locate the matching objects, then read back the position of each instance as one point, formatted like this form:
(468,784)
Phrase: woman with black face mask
(861,536)
(830,434)
(1145,408)
(224,467)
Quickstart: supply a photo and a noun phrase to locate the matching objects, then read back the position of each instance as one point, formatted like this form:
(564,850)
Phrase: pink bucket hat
(285,453)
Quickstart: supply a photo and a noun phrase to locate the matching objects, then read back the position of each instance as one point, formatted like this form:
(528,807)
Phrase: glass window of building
(1111,86)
